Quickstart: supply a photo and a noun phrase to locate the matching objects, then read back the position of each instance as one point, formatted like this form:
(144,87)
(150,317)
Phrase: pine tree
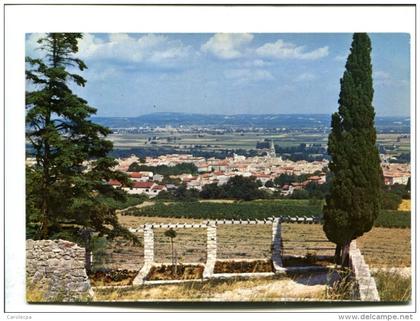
(72,168)
(353,203)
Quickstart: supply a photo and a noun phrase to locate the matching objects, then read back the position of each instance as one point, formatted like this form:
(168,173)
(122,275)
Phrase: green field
(247,140)
(255,210)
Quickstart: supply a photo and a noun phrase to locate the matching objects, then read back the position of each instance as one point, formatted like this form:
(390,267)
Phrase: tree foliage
(72,167)
(237,187)
(353,203)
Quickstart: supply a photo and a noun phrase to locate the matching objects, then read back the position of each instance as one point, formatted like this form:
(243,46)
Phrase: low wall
(366,283)
(55,272)
(211,257)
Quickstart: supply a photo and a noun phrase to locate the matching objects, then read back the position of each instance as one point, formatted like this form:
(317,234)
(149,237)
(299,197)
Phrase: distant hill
(290,121)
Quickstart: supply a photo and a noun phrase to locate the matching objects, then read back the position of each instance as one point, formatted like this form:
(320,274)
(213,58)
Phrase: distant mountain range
(291,121)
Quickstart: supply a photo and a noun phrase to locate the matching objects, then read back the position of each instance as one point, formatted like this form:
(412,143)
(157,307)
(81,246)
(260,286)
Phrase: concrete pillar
(149,244)
(211,249)
(149,254)
(276,246)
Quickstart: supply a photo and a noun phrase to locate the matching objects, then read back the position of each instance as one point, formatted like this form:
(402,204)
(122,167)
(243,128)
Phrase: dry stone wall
(55,268)
(367,285)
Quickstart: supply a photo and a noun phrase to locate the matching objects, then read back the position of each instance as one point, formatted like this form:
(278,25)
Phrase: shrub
(393,287)
(390,200)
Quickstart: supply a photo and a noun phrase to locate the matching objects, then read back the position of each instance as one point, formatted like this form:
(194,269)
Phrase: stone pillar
(276,246)
(211,249)
(149,254)
(149,245)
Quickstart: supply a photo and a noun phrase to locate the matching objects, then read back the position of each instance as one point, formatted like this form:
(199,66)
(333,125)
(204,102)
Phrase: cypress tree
(72,167)
(353,203)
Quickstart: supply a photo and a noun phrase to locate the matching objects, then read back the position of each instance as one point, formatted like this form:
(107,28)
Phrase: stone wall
(55,271)
(366,283)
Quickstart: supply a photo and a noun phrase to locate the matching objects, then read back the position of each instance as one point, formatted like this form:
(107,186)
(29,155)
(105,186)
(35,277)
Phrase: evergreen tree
(353,203)
(72,168)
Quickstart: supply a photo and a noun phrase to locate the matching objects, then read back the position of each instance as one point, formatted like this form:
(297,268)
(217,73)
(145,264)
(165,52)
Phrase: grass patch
(36,294)
(393,287)
(344,288)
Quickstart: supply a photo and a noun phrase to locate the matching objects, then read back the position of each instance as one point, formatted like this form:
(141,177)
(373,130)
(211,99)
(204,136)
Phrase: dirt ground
(381,247)
(386,247)
(311,287)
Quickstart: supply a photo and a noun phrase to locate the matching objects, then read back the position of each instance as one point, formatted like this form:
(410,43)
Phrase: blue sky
(135,74)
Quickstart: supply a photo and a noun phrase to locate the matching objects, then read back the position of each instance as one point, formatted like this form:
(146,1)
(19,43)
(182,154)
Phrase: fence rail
(206,223)
(309,248)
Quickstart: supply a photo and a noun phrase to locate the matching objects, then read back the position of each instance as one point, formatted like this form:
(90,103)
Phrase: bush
(300,194)
(390,200)
(393,287)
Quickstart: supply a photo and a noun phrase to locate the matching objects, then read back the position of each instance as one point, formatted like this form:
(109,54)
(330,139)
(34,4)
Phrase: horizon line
(218,114)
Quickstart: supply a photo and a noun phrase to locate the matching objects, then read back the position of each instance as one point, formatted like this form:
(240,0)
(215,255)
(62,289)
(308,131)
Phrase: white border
(23,19)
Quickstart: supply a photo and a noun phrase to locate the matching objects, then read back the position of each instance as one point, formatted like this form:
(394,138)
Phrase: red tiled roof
(263,175)
(135,175)
(142,184)
(114,182)
(158,187)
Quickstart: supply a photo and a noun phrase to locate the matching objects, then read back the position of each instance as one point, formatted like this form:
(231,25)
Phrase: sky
(242,73)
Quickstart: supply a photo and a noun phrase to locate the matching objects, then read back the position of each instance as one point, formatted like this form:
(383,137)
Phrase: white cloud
(227,45)
(241,76)
(256,63)
(31,45)
(286,50)
(150,48)
(306,76)
(340,57)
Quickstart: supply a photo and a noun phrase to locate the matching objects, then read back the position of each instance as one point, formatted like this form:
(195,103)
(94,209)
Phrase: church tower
(272,152)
